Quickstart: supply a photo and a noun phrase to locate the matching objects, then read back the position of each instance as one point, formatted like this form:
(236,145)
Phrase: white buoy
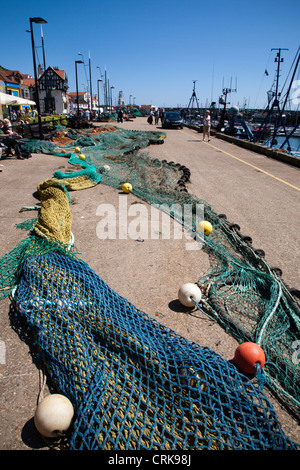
(187,293)
(53,415)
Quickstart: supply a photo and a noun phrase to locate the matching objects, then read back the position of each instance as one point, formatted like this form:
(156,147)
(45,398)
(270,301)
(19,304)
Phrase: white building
(53,91)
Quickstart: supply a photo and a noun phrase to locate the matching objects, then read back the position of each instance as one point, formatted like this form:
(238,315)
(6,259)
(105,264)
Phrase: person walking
(206,126)
(150,118)
(161,115)
(120,116)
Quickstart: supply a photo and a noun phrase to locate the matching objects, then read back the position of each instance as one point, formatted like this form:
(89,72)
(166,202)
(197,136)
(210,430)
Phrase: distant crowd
(156,115)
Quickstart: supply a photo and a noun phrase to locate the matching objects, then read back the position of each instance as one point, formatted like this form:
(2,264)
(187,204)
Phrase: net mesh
(134,383)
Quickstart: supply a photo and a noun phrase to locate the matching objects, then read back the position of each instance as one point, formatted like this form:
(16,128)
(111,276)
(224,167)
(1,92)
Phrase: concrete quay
(260,194)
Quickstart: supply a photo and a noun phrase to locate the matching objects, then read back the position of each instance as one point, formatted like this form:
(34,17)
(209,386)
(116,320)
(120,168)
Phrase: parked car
(172,119)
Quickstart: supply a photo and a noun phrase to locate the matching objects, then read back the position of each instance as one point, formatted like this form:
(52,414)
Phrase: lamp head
(37,20)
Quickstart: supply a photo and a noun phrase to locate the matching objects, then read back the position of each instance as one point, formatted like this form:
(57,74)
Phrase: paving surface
(256,192)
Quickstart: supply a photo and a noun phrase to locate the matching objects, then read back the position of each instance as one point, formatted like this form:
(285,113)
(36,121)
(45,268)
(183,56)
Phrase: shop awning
(6,99)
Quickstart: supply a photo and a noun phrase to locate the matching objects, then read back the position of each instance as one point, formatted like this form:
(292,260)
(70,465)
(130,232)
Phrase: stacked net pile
(113,142)
(111,359)
(135,384)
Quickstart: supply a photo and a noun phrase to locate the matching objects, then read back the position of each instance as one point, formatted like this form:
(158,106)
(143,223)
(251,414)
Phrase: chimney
(40,70)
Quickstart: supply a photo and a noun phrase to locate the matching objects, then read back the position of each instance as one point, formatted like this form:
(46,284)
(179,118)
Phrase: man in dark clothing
(120,116)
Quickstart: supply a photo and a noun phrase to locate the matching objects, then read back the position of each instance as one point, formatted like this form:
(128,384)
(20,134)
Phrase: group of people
(124,114)
(157,115)
(9,139)
(87,114)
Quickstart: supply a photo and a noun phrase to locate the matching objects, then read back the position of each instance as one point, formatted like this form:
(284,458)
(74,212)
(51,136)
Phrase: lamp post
(36,20)
(98,81)
(105,89)
(91,93)
(77,100)
(111,96)
(87,80)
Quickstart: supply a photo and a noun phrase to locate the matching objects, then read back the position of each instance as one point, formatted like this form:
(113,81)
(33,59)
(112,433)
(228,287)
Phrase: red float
(247,355)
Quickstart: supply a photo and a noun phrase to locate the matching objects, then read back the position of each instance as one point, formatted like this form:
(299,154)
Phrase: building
(12,80)
(2,89)
(83,101)
(15,83)
(53,91)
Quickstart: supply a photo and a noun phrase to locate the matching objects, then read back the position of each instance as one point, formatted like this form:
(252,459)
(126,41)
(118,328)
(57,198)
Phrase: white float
(188,293)
(53,415)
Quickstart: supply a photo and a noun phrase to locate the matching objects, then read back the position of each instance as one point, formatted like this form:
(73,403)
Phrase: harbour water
(293,141)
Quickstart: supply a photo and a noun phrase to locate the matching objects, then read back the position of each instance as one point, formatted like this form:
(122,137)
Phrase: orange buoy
(247,355)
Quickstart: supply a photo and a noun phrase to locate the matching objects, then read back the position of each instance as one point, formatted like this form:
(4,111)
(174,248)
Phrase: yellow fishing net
(55,218)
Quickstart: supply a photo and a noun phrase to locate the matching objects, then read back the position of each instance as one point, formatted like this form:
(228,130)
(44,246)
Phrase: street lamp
(111,97)
(36,20)
(77,100)
(90,70)
(99,80)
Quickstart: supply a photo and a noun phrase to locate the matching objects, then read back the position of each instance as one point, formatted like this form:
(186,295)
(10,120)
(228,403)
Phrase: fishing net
(112,142)
(134,383)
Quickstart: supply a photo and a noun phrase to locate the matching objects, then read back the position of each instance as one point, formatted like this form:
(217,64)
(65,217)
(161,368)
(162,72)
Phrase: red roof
(61,73)
(28,81)
(9,76)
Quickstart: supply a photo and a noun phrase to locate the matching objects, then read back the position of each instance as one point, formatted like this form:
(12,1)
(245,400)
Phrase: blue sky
(153,50)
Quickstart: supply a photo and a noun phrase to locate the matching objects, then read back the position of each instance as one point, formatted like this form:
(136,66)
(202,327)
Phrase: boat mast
(193,99)
(275,104)
(286,98)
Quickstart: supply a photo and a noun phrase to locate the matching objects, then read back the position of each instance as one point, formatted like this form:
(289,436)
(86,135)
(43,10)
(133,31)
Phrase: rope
(269,317)
(202,311)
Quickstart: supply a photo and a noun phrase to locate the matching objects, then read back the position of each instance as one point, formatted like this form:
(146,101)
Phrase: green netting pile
(136,112)
(107,117)
(134,383)
(107,144)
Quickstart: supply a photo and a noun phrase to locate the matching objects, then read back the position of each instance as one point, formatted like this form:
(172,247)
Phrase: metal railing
(30,130)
